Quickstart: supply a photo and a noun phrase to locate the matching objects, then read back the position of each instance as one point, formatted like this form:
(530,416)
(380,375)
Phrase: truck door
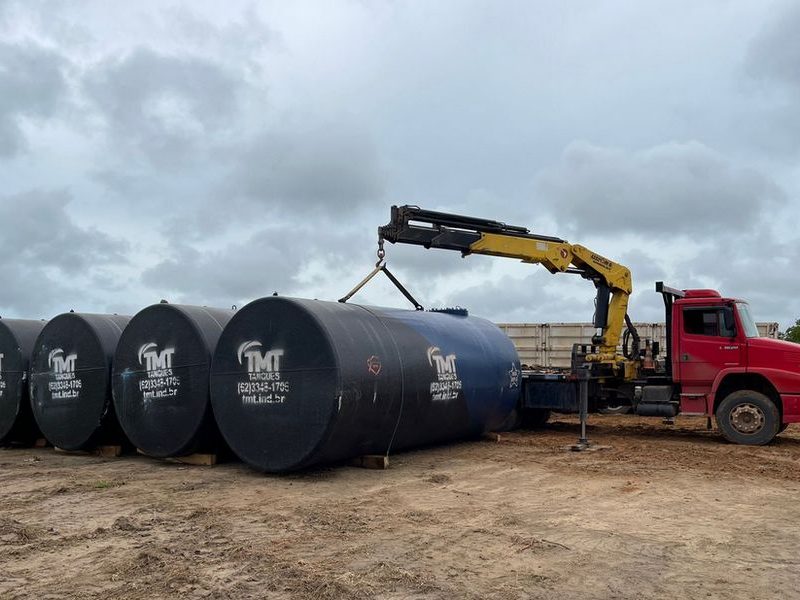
(708,343)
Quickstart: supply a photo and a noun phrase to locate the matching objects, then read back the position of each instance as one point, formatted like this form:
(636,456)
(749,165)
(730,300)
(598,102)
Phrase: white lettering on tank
(61,364)
(153,360)
(65,384)
(161,381)
(447,385)
(258,362)
(264,385)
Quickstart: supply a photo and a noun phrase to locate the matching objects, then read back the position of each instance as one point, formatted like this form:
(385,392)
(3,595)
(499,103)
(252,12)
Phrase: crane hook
(381,252)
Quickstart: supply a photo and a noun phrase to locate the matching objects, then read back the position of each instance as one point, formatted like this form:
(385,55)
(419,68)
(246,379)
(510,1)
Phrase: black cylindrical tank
(17,337)
(71,380)
(161,379)
(301,382)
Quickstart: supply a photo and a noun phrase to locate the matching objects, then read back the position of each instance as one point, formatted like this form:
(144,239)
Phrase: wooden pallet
(101,451)
(371,461)
(197,460)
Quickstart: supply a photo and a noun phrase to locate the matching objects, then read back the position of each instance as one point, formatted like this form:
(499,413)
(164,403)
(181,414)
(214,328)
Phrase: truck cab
(720,367)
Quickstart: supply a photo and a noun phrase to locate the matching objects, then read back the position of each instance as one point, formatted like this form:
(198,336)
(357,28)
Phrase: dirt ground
(664,512)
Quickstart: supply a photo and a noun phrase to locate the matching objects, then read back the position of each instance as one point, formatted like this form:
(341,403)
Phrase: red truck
(715,365)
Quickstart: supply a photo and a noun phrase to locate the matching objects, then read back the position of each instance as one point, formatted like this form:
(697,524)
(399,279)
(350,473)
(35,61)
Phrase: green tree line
(792,334)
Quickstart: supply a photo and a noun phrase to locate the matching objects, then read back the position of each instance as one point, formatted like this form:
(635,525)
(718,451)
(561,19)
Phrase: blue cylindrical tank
(297,382)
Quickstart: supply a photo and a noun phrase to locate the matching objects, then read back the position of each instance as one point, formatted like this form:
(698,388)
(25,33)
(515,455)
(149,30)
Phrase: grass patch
(105,484)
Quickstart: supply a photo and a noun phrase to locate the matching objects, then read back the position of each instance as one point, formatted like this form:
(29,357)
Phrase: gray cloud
(666,190)
(645,265)
(531,299)
(35,226)
(236,273)
(757,265)
(325,177)
(32,85)
(330,167)
(770,69)
(774,53)
(271,259)
(420,264)
(47,258)
(30,292)
(240,42)
(163,107)
(678,200)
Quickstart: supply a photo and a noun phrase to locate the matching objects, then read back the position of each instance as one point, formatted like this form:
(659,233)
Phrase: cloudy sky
(212,153)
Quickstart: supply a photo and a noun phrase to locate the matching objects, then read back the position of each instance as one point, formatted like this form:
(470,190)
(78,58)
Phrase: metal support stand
(583,399)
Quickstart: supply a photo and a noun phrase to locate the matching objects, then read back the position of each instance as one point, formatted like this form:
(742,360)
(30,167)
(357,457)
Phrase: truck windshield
(749,325)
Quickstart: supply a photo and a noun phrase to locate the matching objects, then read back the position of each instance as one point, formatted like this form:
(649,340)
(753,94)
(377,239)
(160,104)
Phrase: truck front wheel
(748,417)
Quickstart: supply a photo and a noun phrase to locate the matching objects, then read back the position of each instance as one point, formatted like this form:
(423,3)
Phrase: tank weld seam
(114,323)
(282,371)
(213,318)
(139,371)
(402,378)
(42,374)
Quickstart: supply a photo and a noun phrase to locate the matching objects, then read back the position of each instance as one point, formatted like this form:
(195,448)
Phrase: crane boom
(469,235)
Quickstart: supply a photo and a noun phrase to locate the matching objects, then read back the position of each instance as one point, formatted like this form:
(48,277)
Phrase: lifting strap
(381,266)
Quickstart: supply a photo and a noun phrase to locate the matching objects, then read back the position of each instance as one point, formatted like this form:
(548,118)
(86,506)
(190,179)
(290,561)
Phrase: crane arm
(468,235)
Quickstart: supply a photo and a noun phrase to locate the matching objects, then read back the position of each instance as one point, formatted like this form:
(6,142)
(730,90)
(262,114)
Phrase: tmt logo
(445,365)
(61,364)
(153,360)
(447,385)
(258,361)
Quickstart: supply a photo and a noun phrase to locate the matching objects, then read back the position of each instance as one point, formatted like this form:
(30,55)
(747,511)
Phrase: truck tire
(748,417)
(618,403)
(535,418)
(621,409)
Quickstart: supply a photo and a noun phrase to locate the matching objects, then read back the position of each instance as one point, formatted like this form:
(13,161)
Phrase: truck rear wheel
(748,417)
(618,409)
(616,402)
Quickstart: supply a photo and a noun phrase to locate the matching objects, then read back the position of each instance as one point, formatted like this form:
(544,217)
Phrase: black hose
(630,334)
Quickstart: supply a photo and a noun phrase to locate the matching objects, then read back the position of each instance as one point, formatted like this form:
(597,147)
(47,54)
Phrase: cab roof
(703,294)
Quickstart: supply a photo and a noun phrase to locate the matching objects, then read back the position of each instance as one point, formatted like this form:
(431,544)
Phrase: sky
(213,153)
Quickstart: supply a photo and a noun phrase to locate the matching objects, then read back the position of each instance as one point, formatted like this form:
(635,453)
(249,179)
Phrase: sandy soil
(665,512)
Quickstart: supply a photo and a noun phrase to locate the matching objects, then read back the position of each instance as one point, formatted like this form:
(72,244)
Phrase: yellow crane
(469,235)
